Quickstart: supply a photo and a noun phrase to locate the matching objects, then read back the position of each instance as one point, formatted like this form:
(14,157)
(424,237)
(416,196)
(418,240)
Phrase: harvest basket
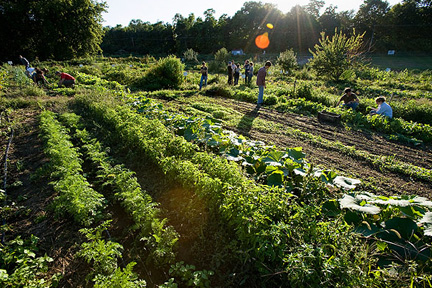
(330,117)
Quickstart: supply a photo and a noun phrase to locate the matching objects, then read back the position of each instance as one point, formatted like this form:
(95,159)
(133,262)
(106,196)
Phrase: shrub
(220,61)
(166,74)
(270,100)
(287,60)
(190,56)
(333,56)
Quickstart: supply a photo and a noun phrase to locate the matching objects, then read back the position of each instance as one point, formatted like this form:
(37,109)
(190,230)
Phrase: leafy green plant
(21,267)
(188,277)
(75,194)
(166,74)
(332,56)
(287,60)
(101,253)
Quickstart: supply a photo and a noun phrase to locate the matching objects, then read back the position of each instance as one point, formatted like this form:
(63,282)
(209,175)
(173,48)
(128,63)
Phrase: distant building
(237,52)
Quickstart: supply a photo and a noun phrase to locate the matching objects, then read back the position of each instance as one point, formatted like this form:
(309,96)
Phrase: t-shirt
(348,98)
(66,76)
(247,66)
(204,70)
(230,70)
(262,72)
(385,110)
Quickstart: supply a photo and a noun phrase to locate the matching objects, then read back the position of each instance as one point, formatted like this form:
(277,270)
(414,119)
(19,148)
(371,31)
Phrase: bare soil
(382,181)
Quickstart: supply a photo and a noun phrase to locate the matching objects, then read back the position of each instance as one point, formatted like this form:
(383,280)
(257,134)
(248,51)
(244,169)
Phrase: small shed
(237,52)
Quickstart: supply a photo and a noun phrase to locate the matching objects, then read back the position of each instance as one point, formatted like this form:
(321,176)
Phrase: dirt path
(382,182)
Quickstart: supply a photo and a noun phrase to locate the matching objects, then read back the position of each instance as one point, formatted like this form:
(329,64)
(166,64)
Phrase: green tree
(58,29)
(371,14)
(287,60)
(332,56)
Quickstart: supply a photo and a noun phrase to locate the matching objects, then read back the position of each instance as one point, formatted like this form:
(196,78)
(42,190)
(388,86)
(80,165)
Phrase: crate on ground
(329,117)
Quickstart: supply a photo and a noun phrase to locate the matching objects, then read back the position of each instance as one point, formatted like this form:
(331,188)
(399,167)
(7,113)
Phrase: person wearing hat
(350,99)
(65,79)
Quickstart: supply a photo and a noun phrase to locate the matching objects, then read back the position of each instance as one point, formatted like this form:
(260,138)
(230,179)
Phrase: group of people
(38,75)
(233,70)
(350,100)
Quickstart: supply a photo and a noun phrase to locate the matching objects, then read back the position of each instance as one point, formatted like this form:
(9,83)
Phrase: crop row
(304,101)
(280,237)
(75,193)
(208,132)
(157,237)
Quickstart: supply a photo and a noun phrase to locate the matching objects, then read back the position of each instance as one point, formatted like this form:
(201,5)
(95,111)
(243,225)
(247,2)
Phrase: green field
(136,178)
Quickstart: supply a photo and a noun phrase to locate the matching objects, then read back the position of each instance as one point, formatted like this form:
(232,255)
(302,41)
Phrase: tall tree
(410,25)
(58,28)
(370,16)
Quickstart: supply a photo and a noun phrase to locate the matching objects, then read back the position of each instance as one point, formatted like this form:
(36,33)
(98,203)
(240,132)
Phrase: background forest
(65,29)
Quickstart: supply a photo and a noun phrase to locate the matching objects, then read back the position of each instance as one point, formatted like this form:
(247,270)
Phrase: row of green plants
(210,130)
(159,238)
(76,196)
(304,101)
(284,236)
(84,204)
(265,164)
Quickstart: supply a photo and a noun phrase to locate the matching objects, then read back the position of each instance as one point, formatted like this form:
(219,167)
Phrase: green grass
(402,62)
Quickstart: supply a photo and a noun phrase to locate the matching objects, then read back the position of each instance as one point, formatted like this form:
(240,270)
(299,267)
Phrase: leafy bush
(270,99)
(21,267)
(287,60)
(166,74)
(333,56)
(220,60)
(190,56)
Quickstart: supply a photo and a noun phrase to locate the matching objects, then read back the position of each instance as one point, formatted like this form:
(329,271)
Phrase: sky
(123,11)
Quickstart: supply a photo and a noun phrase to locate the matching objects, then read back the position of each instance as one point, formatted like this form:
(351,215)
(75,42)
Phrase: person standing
(65,79)
(350,99)
(204,74)
(236,73)
(230,74)
(251,70)
(261,82)
(246,67)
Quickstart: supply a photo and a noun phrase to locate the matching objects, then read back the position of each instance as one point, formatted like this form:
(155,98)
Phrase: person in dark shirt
(230,74)
(246,67)
(350,99)
(260,81)
(204,74)
(236,73)
(39,77)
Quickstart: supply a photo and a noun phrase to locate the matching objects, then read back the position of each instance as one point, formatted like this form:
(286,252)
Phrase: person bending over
(65,79)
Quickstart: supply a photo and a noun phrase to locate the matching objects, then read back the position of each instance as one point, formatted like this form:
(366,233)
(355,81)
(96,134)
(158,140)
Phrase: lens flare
(269,25)
(262,41)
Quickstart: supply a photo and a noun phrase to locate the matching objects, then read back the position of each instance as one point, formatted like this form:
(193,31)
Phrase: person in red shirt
(65,79)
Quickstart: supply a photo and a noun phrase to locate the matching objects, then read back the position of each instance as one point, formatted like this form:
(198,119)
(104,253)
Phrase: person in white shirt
(383,108)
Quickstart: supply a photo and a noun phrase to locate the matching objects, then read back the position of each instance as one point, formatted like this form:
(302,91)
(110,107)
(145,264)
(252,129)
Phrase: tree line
(406,26)
(65,29)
